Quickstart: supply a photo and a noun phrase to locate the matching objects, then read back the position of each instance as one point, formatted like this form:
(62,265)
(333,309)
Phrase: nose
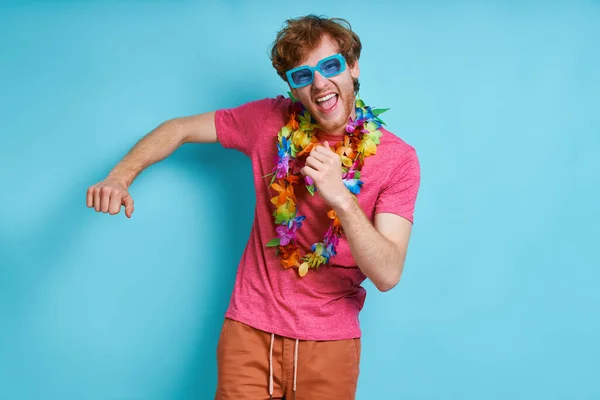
(319,81)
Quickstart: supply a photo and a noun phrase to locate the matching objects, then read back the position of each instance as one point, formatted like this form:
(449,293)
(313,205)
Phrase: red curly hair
(302,35)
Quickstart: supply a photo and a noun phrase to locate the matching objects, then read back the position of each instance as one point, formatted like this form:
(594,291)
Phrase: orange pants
(257,365)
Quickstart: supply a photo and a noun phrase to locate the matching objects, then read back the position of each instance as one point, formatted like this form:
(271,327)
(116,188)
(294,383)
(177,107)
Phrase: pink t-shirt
(324,304)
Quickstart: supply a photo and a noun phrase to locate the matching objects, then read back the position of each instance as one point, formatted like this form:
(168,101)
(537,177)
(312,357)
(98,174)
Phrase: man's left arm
(378,248)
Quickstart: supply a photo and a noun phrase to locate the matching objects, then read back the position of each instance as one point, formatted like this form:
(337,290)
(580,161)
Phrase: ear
(355,70)
(294,91)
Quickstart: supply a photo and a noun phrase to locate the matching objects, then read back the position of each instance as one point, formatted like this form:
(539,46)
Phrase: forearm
(380,259)
(154,147)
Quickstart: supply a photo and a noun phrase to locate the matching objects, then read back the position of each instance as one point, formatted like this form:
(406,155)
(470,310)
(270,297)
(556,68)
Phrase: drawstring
(271,368)
(295,366)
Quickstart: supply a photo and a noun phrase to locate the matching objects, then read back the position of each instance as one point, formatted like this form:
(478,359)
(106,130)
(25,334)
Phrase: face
(329,100)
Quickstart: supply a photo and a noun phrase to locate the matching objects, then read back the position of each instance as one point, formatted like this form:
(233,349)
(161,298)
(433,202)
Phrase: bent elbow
(388,284)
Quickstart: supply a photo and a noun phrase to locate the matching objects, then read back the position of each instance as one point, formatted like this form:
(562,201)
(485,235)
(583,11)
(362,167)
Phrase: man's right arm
(111,193)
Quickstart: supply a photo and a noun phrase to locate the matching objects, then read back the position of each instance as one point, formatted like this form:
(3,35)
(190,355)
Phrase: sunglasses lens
(302,76)
(331,67)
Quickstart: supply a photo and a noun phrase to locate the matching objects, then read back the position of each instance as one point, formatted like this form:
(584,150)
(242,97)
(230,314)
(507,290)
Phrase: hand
(108,196)
(325,168)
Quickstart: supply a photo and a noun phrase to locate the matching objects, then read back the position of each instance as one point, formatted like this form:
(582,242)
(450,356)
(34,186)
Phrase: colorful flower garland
(295,141)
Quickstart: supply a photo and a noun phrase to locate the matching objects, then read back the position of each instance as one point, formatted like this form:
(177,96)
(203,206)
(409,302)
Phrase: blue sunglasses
(304,75)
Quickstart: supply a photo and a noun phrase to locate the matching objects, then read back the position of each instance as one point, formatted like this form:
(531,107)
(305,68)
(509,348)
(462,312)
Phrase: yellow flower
(285,211)
(284,132)
(367,146)
(300,138)
(313,259)
(371,126)
(346,161)
(303,269)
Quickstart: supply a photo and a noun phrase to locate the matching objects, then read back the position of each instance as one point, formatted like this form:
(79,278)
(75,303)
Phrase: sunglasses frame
(316,68)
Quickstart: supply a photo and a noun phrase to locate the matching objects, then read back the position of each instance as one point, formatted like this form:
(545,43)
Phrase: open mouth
(327,103)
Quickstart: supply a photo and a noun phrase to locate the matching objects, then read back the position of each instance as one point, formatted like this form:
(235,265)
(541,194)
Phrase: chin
(333,126)
(331,123)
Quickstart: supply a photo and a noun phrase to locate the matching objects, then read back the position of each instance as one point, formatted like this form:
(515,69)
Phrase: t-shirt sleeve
(399,194)
(238,127)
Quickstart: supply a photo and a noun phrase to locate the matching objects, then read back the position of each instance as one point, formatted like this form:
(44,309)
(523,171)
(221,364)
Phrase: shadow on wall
(209,162)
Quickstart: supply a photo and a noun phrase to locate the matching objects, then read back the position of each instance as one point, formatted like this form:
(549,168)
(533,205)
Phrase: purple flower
(331,239)
(356,126)
(282,167)
(286,235)
(287,231)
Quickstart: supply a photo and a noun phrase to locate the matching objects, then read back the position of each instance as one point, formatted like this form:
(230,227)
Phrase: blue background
(499,298)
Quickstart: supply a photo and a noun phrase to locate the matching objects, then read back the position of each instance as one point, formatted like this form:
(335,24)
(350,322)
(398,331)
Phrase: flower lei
(295,141)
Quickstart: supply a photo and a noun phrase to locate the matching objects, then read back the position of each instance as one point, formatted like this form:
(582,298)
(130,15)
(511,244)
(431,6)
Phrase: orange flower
(345,149)
(310,147)
(293,124)
(293,179)
(285,191)
(290,256)
(337,225)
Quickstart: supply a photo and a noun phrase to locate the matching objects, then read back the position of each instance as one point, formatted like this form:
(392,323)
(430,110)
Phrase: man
(335,200)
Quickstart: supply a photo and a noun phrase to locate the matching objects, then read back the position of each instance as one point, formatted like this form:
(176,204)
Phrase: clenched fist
(324,167)
(108,196)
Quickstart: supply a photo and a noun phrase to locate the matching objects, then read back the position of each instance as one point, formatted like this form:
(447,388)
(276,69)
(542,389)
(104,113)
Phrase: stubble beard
(338,126)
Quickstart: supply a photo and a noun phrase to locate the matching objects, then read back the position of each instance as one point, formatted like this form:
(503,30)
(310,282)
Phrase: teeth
(322,99)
